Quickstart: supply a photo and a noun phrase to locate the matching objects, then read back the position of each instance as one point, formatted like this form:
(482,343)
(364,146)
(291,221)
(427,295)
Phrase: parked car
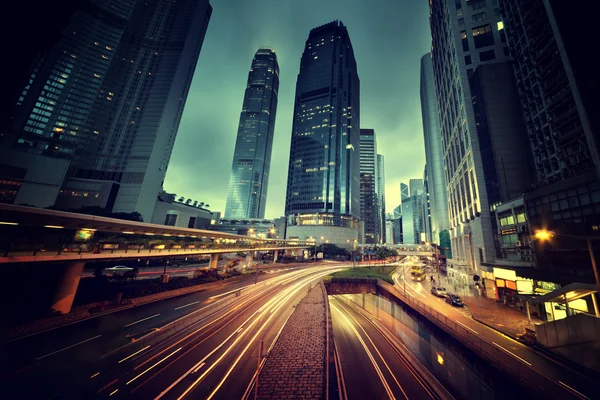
(438,291)
(454,300)
(118,268)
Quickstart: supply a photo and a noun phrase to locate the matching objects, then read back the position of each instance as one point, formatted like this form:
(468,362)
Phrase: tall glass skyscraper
(249,179)
(380,175)
(434,154)
(107,100)
(323,189)
(369,205)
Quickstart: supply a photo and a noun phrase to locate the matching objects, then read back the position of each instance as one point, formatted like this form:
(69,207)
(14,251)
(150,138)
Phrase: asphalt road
(371,367)
(518,354)
(78,361)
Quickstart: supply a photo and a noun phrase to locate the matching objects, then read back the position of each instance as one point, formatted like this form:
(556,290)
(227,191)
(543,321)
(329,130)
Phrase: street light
(546,235)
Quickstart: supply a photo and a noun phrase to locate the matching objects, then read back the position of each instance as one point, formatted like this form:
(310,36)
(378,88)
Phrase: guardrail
(525,375)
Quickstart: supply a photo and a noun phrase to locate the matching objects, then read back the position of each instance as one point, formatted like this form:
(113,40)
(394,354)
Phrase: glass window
(521,218)
(468,60)
(483,36)
(464,40)
(487,55)
(479,17)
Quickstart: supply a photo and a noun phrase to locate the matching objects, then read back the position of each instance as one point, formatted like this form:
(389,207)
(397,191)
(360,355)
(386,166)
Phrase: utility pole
(260,350)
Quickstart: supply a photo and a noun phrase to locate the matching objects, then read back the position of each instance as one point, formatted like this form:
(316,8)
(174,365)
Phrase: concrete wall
(183,212)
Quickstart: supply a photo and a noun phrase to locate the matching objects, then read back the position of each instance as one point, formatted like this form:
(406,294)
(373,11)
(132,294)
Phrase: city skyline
(212,114)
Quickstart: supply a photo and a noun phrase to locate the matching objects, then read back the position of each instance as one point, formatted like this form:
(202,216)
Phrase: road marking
(66,348)
(115,391)
(187,305)
(142,320)
(154,365)
(569,387)
(231,291)
(466,327)
(95,375)
(137,352)
(512,354)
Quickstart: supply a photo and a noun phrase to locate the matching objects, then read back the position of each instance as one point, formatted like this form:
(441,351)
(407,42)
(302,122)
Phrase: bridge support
(275,254)
(214,260)
(67,287)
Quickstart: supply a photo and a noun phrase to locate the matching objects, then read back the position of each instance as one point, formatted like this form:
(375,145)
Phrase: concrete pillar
(214,259)
(566,304)
(528,311)
(595,303)
(67,287)
(275,254)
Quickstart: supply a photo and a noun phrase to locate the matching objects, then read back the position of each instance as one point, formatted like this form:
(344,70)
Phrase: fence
(515,368)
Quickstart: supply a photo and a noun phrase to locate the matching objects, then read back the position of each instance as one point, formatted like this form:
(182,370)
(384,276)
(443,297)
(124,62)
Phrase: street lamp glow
(272,231)
(543,234)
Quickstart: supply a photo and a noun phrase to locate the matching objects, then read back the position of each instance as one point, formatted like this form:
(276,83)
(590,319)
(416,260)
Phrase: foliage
(331,250)
(366,274)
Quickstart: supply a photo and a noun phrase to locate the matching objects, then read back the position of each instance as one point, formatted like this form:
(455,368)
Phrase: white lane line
(137,352)
(569,387)
(512,354)
(231,291)
(466,327)
(187,305)
(66,348)
(142,320)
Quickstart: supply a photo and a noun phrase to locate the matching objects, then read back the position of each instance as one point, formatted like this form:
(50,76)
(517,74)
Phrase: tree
(208,205)
(195,203)
(201,204)
(188,201)
(181,199)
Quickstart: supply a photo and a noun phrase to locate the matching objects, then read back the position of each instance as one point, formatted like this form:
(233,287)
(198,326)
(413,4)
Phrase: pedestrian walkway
(503,318)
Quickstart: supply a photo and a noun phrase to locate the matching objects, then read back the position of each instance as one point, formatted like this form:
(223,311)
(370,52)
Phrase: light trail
(67,348)
(137,352)
(153,366)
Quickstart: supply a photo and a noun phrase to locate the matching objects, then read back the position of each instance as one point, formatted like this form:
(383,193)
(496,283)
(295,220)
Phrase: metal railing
(516,368)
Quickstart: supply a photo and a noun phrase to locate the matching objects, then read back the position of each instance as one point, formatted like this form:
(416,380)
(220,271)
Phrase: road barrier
(524,374)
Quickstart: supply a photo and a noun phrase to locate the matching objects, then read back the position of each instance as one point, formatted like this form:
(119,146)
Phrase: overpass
(69,240)
(422,250)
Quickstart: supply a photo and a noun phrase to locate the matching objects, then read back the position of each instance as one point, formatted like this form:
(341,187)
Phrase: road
(372,368)
(574,383)
(75,360)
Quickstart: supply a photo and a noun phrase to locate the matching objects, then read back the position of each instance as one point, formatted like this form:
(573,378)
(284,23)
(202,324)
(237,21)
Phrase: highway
(78,360)
(371,366)
(523,356)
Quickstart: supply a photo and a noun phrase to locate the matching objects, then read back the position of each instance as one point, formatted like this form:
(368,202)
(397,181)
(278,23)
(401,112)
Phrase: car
(438,291)
(454,300)
(118,268)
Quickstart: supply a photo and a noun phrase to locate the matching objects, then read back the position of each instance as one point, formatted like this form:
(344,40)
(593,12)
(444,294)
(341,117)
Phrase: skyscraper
(434,156)
(369,196)
(381,197)
(483,138)
(323,189)
(426,206)
(404,191)
(105,103)
(247,195)
(417,190)
(559,92)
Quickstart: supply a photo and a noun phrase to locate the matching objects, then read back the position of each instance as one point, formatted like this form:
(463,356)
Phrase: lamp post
(544,235)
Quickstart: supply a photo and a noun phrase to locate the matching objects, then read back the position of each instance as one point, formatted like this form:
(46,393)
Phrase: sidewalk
(505,319)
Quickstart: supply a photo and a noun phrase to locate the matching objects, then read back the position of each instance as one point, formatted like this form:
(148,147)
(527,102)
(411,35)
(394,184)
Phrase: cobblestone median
(295,368)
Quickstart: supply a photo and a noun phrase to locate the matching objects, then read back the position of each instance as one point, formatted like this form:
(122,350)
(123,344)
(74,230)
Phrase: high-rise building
(483,137)
(397,212)
(426,206)
(323,189)
(408,226)
(104,105)
(559,92)
(249,178)
(434,156)
(389,232)
(381,197)
(417,192)
(404,191)
(369,196)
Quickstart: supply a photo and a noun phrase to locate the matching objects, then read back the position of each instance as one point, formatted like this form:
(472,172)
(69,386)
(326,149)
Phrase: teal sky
(389,37)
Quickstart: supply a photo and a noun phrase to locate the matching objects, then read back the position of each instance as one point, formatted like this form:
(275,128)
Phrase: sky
(389,38)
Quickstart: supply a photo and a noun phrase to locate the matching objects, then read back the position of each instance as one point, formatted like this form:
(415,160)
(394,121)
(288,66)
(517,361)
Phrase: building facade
(168,211)
(108,98)
(323,189)
(434,156)
(426,206)
(559,92)
(369,195)
(381,198)
(417,199)
(249,178)
(482,131)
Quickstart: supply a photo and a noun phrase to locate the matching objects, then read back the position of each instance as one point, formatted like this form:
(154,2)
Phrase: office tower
(398,237)
(249,178)
(426,206)
(389,232)
(434,156)
(369,196)
(559,92)
(481,127)
(397,212)
(381,197)
(416,191)
(408,226)
(403,191)
(323,190)
(104,104)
